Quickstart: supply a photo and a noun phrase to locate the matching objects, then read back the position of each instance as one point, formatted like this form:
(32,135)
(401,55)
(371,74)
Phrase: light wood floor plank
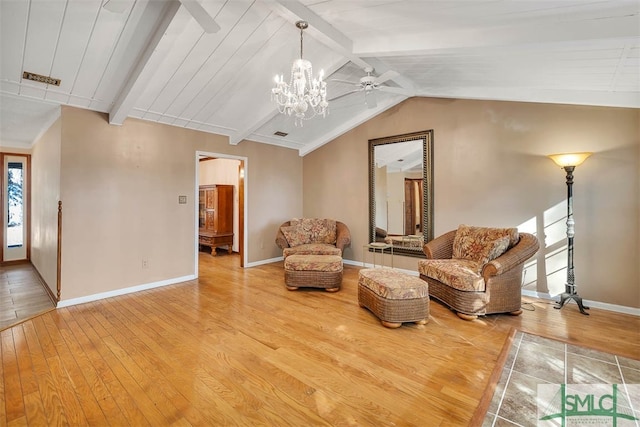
(50,395)
(94,369)
(13,402)
(236,348)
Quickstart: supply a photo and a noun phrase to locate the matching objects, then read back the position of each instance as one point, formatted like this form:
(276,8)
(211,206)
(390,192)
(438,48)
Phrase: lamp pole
(570,287)
(569,162)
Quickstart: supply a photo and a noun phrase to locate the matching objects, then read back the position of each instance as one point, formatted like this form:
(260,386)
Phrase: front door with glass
(14,208)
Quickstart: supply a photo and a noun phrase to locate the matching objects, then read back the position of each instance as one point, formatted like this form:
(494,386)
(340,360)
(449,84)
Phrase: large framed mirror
(401,192)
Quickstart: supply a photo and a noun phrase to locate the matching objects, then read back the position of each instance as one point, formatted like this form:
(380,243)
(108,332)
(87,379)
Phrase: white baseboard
(123,291)
(264,261)
(367,265)
(595,304)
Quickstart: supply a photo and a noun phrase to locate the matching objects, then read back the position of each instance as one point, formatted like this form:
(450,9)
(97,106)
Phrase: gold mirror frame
(427,188)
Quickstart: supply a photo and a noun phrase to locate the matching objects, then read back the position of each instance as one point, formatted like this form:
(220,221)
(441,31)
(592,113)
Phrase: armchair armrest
(281,241)
(441,247)
(526,247)
(343,236)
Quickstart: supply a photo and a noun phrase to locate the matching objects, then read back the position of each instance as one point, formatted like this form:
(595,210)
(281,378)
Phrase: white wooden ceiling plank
(181,37)
(144,68)
(9,87)
(206,58)
(318,28)
(411,43)
(434,17)
(79,19)
(354,120)
(13,27)
(104,37)
(234,88)
(31,91)
(202,86)
(136,36)
(45,20)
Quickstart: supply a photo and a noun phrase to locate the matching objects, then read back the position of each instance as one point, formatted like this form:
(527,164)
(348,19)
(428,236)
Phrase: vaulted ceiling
(152,60)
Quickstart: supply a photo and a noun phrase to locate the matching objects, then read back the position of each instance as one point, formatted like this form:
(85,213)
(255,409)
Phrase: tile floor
(22,295)
(535,360)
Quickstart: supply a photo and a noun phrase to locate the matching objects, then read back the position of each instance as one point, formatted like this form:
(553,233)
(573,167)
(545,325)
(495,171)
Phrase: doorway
(413,206)
(224,170)
(15,207)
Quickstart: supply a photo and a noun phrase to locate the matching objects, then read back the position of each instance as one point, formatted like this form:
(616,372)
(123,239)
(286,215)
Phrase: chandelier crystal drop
(304,96)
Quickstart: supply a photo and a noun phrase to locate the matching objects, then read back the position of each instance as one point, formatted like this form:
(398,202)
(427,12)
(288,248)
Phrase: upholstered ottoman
(394,297)
(313,271)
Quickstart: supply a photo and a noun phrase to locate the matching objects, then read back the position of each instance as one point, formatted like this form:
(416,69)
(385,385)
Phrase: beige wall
(120,187)
(45,193)
(491,169)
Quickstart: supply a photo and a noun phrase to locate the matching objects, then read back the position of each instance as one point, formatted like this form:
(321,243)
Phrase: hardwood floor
(23,295)
(236,348)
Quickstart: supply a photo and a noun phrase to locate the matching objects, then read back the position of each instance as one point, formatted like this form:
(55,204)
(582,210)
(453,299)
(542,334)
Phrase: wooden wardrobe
(216,217)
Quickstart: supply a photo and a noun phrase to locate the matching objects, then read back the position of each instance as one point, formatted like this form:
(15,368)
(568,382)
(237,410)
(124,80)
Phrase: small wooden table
(213,240)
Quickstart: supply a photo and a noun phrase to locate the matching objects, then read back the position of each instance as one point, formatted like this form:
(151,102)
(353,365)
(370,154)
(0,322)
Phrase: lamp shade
(569,159)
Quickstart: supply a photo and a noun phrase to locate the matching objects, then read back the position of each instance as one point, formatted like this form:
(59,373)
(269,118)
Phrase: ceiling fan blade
(345,81)
(343,95)
(201,16)
(116,6)
(395,90)
(370,99)
(385,76)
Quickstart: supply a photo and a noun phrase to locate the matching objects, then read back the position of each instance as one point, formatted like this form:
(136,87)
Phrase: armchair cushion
(296,235)
(460,274)
(312,249)
(316,230)
(482,244)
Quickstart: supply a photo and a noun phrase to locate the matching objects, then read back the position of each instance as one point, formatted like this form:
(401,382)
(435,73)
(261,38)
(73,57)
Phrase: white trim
(124,291)
(368,265)
(595,304)
(264,261)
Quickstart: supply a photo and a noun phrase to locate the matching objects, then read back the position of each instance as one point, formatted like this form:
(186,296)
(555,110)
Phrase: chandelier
(304,96)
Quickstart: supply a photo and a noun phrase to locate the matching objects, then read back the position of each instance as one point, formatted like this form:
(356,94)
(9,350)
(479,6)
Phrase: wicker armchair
(336,247)
(495,280)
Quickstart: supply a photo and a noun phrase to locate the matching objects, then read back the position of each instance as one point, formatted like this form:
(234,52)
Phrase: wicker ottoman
(313,271)
(394,297)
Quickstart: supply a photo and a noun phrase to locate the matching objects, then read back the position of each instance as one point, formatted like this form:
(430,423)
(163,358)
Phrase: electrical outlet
(182,200)
(145,263)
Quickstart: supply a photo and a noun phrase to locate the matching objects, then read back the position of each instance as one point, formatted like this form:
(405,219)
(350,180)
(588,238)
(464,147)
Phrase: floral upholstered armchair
(478,270)
(313,236)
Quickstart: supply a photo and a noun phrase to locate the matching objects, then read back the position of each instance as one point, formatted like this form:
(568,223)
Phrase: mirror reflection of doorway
(413,206)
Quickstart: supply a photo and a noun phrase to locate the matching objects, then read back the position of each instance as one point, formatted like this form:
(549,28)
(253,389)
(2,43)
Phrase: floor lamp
(569,162)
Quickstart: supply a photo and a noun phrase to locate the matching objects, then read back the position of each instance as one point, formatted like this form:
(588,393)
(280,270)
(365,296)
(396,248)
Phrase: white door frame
(245,161)
(21,252)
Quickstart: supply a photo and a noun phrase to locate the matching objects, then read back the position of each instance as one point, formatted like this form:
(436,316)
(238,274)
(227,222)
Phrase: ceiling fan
(196,10)
(369,84)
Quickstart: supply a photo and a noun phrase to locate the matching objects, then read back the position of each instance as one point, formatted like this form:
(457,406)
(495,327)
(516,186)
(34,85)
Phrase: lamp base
(565,297)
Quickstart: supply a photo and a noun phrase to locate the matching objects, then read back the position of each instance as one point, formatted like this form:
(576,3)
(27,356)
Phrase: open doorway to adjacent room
(22,293)
(220,200)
